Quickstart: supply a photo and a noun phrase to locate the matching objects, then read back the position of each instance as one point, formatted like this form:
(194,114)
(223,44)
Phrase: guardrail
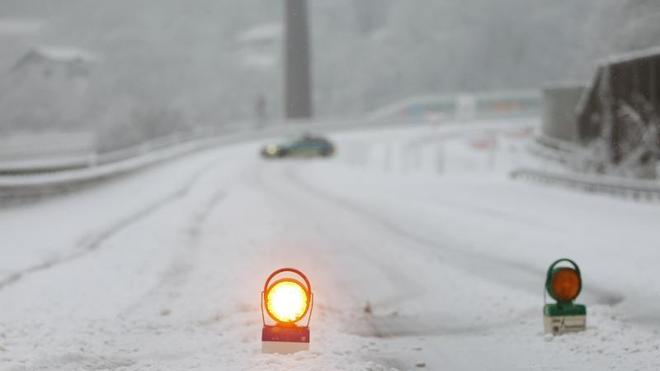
(22,186)
(29,152)
(635,189)
(552,149)
(88,160)
(19,187)
(44,165)
(46,180)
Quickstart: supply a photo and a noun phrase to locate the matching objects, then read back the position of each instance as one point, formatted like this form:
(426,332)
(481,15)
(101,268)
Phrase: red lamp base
(275,339)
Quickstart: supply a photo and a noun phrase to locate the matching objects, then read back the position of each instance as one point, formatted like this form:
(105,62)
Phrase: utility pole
(298,79)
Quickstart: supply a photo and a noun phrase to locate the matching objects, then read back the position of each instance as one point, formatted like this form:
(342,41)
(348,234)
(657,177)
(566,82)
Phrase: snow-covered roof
(637,54)
(264,32)
(259,60)
(56,54)
(63,54)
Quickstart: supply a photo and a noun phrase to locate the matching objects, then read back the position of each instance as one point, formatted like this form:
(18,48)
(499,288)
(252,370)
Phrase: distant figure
(261,109)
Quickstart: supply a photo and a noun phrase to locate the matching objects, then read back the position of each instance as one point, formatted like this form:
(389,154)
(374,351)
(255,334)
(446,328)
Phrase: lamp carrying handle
(291,270)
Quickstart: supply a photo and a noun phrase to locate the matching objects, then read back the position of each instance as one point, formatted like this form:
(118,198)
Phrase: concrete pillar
(559,112)
(298,80)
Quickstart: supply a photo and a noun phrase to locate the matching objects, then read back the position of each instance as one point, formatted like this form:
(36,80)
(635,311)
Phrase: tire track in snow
(182,264)
(200,219)
(406,284)
(511,273)
(89,245)
(423,324)
(390,325)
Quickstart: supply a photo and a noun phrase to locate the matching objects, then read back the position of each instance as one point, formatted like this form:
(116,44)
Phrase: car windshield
(329,185)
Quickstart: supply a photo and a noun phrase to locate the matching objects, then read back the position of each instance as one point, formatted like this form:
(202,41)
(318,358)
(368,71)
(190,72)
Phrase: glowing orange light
(566,284)
(287,301)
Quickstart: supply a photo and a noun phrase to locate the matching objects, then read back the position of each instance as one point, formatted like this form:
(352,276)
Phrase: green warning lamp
(564,283)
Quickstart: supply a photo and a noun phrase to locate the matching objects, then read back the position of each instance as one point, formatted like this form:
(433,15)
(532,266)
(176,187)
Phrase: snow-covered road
(163,270)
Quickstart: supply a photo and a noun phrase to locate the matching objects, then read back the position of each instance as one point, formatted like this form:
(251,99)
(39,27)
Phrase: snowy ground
(162,270)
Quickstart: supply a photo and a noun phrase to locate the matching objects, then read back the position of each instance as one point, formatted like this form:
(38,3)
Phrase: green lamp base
(564,318)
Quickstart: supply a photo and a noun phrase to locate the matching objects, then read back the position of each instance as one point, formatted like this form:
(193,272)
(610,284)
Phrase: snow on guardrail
(551,149)
(42,165)
(115,164)
(25,152)
(44,183)
(633,188)
(89,170)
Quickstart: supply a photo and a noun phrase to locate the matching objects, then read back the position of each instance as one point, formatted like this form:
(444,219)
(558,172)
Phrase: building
(46,89)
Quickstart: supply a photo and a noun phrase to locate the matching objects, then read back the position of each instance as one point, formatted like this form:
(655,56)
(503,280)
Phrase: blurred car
(305,146)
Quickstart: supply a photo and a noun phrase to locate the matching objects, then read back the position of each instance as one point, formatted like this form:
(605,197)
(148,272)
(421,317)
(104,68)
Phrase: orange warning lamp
(286,309)
(564,284)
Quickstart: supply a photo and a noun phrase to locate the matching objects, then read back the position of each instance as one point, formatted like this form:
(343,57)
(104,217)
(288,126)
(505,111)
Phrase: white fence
(462,107)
